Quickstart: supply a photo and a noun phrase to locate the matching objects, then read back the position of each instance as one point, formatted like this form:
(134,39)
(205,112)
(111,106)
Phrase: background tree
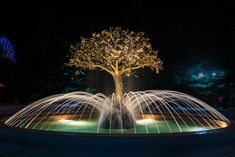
(116,51)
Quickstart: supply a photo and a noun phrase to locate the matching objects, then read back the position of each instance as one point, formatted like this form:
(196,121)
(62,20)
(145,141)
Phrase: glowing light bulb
(145,121)
(72,122)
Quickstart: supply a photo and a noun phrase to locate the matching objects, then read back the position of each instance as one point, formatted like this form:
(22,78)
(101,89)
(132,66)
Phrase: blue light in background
(200,75)
(7,48)
(213,74)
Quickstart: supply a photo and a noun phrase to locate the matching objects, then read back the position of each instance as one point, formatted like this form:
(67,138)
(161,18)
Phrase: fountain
(84,124)
(118,52)
(143,112)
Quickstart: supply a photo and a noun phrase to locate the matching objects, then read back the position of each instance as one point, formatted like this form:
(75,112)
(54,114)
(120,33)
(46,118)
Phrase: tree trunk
(118,87)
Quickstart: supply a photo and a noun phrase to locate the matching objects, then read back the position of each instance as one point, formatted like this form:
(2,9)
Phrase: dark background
(42,33)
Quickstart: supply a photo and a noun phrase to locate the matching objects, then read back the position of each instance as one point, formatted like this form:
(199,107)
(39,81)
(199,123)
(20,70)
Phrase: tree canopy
(115,50)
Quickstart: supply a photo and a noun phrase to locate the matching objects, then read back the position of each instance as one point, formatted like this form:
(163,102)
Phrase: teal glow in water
(143,126)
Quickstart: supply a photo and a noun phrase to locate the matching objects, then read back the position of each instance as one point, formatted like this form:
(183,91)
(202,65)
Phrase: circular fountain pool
(154,112)
(80,124)
(143,126)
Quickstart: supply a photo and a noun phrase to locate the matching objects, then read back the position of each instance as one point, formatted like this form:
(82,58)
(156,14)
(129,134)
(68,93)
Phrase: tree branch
(134,68)
(99,66)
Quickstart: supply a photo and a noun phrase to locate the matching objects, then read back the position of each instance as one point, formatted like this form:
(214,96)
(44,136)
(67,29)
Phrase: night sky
(42,34)
(196,29)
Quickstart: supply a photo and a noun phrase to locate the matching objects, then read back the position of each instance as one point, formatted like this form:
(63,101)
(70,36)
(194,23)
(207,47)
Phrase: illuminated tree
(116,51)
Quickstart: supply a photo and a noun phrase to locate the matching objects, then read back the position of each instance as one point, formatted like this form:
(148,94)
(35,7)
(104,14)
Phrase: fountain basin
(149,124)
(142,112)
(28,142)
